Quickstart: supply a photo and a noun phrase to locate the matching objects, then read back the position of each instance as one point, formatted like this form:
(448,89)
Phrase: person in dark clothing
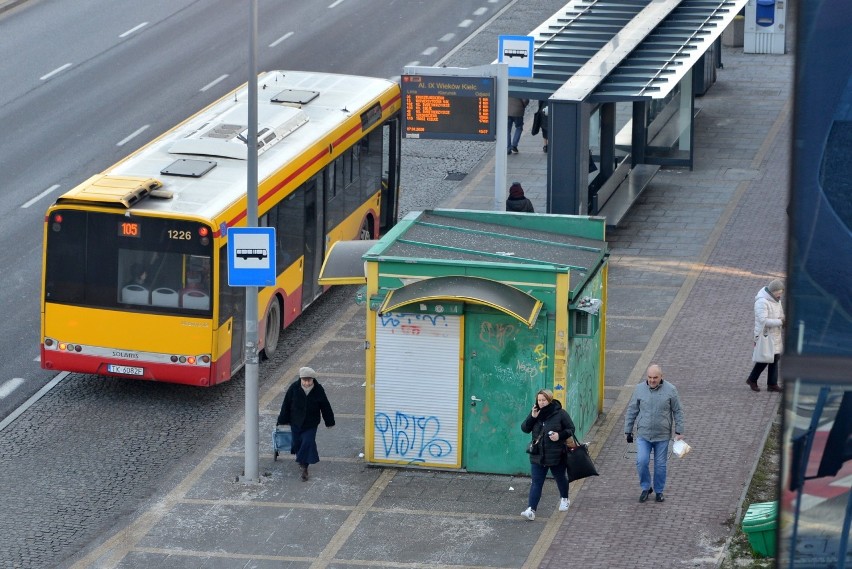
(517,201)
(550,426)
(304,402)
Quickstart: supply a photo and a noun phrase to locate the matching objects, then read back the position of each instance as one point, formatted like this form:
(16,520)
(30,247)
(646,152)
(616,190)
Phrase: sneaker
(508,151)
(563,504)
(660,498)
(544,149)
(775,388)
(515,149)
(529,514)
(643,497)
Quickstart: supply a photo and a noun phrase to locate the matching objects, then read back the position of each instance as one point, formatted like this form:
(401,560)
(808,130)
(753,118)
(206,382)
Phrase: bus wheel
(273,330)
(366,231)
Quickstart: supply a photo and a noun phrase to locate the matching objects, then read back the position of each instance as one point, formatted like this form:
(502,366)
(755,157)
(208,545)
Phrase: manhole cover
(455,176)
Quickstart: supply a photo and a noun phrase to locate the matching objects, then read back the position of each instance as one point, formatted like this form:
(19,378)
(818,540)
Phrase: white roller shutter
(417,389)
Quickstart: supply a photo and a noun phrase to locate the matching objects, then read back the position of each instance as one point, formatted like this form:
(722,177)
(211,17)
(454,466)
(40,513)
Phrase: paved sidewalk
(684,269)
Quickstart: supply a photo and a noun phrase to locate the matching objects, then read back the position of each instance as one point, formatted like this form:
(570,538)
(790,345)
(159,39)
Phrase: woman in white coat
(768,314)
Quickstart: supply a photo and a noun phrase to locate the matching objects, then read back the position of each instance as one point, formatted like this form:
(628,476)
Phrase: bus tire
(273,330)
(365,233)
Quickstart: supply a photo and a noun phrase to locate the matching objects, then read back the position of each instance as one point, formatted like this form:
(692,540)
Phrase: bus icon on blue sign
(251,256)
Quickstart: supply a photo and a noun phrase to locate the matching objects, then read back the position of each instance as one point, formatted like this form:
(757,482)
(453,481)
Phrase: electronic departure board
(455,108)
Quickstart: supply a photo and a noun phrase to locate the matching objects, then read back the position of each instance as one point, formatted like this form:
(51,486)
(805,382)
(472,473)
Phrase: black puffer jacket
(552,418)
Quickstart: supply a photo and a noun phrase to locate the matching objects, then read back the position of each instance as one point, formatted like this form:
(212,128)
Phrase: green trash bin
(760,523)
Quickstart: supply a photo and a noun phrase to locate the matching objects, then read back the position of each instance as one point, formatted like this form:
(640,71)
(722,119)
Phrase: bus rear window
(140,263)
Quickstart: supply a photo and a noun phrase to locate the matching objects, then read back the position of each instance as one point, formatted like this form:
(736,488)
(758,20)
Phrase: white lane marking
(133,29)
(335,3)
(480,11)
(218,79)
(132,135)
(282,38)
(429,50)
(447,37)
(41,195)
(55,71)
(465,23)
(38,395)
(10,386)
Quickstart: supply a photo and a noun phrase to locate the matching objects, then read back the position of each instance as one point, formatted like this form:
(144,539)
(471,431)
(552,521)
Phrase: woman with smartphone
(550,426)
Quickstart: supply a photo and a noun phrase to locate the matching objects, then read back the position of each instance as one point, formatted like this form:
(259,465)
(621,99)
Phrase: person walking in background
(516,117)
(768,318)
(303,404)
(517,201)
(654,408)
(550,426)
(540,123)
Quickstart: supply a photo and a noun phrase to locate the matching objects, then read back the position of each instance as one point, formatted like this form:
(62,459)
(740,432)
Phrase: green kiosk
(469,314)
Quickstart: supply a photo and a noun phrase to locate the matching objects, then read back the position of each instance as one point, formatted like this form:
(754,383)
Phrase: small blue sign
(517,53)
(251,256)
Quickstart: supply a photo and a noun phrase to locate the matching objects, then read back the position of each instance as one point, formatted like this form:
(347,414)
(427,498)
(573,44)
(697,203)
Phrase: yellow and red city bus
(135,280)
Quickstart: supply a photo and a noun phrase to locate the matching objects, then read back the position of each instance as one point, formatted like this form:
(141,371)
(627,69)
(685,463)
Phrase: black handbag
(578,461)
(536,125)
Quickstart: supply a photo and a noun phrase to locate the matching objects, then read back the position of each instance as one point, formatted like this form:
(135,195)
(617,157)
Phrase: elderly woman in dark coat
(517,201)
(550,426)
(304,402)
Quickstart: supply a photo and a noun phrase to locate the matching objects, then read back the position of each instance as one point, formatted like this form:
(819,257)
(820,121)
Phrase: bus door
(313,241)
(232,305)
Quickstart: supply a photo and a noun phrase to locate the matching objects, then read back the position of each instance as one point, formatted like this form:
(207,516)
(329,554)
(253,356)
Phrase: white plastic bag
(680,448)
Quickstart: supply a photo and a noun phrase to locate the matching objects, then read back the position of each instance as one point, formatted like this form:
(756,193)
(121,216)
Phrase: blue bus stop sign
(517,53)
(251,256)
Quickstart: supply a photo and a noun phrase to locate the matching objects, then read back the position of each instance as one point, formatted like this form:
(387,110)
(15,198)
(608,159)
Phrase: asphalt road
(87,83)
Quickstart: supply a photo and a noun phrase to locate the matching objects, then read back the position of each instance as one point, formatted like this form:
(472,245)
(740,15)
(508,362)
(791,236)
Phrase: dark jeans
(772,374)
(514,138)
(539,473)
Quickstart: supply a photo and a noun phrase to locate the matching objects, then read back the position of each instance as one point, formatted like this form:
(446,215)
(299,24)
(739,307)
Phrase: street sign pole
(502,73)
(252,430)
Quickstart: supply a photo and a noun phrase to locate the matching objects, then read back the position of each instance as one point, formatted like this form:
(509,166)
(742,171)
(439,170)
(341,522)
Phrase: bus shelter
(620,81)
(469,314)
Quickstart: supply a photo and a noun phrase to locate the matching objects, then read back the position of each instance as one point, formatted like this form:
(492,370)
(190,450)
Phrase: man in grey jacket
(654,406)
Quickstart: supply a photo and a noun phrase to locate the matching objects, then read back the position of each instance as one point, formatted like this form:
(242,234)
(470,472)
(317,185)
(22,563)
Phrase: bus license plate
(127,370)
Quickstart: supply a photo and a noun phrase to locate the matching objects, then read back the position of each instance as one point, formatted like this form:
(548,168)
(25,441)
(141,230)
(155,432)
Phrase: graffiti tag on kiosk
(494,335)
(541,357)
(411,323)
(412,437)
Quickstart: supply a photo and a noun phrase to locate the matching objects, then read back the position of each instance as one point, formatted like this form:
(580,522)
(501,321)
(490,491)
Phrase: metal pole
(502,73)
(250,472)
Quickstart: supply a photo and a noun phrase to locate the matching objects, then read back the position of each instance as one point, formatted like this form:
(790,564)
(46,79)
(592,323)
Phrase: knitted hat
(307,372)
(775,286)
(516,191)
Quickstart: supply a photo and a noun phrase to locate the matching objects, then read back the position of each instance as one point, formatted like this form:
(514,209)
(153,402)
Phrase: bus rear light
(190,360)
(62,345)
(174,359)
(78,348)
(203,231)
(205,359)
(182,359)
(48,342)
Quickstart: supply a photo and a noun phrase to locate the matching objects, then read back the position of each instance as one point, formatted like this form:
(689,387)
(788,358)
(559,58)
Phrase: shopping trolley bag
(282,440)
